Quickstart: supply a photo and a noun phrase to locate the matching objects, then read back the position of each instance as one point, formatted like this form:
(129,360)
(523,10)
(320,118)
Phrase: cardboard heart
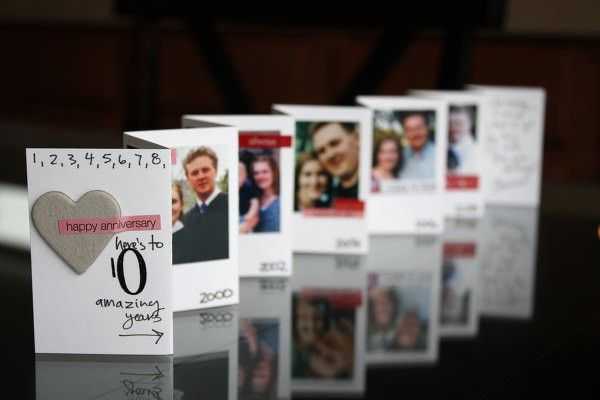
(78,250)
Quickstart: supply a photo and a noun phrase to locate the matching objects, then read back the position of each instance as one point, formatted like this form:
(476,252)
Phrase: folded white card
(331,179)
(466,119)
(100,251)
(265,186)
(203,214)
(408,169)
(513,144)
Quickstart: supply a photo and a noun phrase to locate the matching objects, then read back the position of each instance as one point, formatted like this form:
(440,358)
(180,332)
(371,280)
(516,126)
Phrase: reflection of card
(331,181)
(265,190)
(403,298)
(264,344)
(204,212)
(103,377)
(466,112)
(508,262)
(100,251)
(512,147)
(206,353)
(407,177)
(328,324)
(460,278)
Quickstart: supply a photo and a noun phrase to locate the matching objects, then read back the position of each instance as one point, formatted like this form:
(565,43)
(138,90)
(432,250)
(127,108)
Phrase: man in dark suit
(210,216)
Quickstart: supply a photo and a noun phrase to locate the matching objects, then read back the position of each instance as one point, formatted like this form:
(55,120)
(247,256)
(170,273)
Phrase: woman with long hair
(266,176)
(387,161)
(313,183)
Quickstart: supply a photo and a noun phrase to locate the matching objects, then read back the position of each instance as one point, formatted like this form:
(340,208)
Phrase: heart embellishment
(79,251)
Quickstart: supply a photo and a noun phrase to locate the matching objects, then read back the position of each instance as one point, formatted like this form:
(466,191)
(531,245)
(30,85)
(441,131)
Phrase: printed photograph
(200,204)
(257,358)
(323,338)
(259,196)
(327,163)
(403,146)
(462,140)
(398,312)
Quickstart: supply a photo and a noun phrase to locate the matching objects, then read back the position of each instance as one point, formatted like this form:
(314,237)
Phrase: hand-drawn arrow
(157,375)
(156,333)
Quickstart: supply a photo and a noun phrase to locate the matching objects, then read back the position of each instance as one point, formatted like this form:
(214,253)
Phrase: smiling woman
(259,201)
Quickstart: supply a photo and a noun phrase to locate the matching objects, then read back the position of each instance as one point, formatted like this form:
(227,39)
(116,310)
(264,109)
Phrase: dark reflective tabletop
(505,306)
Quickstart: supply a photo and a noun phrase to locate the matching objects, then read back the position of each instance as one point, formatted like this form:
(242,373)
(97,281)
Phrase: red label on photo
(173,156)
(459,249)
(341,299)
(462,181)
(262,141)
(98,226)
(342,207)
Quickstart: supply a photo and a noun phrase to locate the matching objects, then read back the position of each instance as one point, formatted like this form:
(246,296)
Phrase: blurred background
(76,74)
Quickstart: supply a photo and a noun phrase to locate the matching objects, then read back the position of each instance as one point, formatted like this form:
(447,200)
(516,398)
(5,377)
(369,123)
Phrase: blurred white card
(331,182)
(466,119)
(408,173)
(513,144)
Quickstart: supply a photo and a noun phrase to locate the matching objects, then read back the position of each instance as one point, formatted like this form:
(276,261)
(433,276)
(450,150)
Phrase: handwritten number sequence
(97,161)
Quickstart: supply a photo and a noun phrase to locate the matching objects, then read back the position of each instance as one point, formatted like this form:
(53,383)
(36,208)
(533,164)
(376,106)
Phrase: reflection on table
(315,333)
(403,293)
(59,377)
(328,324)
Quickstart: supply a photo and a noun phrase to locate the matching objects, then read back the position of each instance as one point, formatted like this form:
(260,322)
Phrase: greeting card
(513,144)
(100,251)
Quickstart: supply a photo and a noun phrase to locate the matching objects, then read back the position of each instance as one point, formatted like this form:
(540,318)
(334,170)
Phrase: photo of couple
(397,316)
(327,163)
(403,146)
(259,202)
(200,205)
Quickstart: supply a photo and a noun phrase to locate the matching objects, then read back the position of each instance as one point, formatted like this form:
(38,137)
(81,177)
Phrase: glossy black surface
(528,325)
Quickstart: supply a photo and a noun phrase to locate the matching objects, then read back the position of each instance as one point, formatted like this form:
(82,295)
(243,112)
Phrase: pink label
(91,226)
